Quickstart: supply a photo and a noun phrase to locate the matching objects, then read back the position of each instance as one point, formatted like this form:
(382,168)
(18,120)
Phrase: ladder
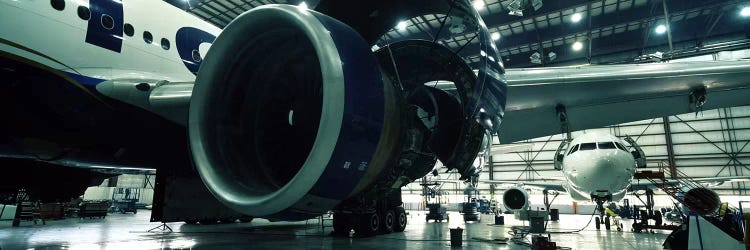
(692,195)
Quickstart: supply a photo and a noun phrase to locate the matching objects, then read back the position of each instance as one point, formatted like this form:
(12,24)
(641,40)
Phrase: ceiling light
(577,46)
(495,36)
(576,17)
(478,4)
(745,11)
(661,29)
(302,5)
(401,26)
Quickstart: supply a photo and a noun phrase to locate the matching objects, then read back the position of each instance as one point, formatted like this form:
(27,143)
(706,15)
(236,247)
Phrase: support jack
(164,228)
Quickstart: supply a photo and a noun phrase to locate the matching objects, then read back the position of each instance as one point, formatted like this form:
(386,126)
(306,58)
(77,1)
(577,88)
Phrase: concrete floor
(127,231)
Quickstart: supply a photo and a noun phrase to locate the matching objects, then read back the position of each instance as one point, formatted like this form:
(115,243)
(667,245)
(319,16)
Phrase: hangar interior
(527,34)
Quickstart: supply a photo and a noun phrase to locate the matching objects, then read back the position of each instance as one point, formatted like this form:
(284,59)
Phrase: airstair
(700,200)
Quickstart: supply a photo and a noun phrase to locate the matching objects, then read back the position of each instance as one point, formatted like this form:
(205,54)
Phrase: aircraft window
(58,4)
(165,44)
(84,13)
(107,22)
(196,56)
(607,145)
(147,37)
(588,146)
(620,146)
(574,149)
(128,29)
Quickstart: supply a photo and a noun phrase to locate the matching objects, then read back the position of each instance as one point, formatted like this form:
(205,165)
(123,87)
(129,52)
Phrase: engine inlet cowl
(286,113)
(516,199)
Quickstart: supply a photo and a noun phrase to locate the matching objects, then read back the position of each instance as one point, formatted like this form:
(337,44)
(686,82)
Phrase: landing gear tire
(597,222)
(389,219)
(369,224)
(400,223)
(606,223)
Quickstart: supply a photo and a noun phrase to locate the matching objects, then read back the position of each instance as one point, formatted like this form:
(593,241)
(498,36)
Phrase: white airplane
(125,85)
(599,167)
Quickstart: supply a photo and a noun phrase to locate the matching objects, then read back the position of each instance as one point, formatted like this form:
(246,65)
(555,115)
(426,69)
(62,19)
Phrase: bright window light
(577,46)
(576,17)
(661,29)
(745,11)
(478,4)
(495,36)
(401,26)
(302,5)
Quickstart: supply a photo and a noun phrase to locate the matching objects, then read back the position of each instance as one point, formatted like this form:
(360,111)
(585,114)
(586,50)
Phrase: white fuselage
(66,38)
(598,165)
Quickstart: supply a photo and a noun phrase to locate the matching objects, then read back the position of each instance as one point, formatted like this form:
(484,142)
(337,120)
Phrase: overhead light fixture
(478,4)
(536,58)
(401,26)
(495,36)
(661,29)
(515,8)
(576,17)
(302,5)
(745,12)
(577,46)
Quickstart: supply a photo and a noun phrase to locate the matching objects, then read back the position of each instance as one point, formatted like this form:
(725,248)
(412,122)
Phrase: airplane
(287,112)
(599,167)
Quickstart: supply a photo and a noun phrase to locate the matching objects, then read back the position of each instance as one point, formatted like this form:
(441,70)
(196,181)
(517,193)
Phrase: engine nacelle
(702,200)
(516,199)
(287,114)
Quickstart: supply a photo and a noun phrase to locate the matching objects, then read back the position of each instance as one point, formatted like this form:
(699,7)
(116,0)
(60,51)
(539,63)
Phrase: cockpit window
(620,146)
(575,148)
(588,146)
(607,145)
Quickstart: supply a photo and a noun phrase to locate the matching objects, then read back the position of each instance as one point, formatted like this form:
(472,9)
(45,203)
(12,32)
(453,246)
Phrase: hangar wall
(705,144)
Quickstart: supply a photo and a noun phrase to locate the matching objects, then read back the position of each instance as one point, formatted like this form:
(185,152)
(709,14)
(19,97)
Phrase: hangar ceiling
(610,31)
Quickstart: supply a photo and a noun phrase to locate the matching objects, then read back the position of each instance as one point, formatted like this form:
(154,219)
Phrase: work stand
(164,228)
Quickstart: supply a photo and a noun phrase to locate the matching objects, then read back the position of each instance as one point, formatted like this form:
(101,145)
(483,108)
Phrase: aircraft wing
(542,184)
(706,181)
(601,95)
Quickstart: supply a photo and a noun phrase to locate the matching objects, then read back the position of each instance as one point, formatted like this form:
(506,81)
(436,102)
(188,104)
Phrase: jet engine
(516,199)
(702,200)
(287,113)
(292,113)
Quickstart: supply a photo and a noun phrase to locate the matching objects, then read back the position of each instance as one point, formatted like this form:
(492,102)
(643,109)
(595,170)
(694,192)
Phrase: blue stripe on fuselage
(89,82)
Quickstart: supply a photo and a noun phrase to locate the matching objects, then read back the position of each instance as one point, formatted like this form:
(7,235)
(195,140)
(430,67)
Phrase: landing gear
(607,225)
(400,215)
(369,224)
(597,222)
(389,218)
(600,207)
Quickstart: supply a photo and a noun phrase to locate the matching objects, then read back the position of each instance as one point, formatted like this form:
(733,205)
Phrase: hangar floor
(127,231)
